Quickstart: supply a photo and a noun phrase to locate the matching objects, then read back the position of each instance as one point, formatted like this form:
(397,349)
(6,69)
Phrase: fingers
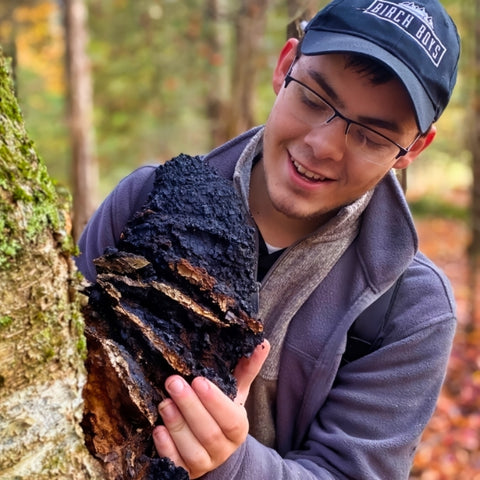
(177,441)
(203,412)
(230,417)
(248,368)
(166,446)
(202,425)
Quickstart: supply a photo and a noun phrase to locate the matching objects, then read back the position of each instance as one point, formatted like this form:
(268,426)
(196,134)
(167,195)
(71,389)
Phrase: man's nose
(328,140)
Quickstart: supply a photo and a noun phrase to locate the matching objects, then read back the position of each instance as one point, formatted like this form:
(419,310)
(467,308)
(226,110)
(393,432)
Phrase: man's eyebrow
(323,83)
(380,123)
(325,86)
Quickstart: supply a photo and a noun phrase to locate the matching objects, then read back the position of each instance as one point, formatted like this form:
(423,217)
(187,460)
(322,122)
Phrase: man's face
(309,171)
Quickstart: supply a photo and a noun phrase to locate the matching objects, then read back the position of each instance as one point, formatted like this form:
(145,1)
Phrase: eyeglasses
(362,141)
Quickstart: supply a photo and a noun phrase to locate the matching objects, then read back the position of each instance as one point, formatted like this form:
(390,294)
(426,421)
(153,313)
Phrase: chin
(294,211)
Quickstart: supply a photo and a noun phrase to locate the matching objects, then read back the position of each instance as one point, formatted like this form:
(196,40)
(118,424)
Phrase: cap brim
(319,42)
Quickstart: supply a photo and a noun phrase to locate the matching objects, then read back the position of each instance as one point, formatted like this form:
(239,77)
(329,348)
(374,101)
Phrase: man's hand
(202,426)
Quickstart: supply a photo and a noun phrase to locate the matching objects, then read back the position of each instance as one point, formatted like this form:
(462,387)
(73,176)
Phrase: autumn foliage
(450,448)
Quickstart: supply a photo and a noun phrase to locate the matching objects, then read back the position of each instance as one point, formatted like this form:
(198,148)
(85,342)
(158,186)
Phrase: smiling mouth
(313,177)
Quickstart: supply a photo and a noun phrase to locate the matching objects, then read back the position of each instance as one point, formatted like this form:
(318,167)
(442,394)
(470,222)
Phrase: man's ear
(418,147)
(285,59)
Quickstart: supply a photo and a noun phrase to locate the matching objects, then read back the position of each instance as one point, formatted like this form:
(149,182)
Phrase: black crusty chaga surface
(178,294)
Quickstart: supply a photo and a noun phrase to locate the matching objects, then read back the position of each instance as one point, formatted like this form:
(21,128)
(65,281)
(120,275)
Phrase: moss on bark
(42,347)
(29,203)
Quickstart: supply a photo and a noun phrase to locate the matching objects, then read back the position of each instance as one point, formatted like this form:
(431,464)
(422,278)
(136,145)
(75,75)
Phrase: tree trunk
(249,31)
(298,12)
(42,346)
(214,103)
(8,36)
(85,168)
(475,148)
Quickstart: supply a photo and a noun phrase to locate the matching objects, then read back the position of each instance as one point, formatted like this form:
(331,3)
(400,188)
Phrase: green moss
(9,108)
(46,343)
(82,347)
(9,249)
(78,327)
(27,194)
(21,195)
(5,321)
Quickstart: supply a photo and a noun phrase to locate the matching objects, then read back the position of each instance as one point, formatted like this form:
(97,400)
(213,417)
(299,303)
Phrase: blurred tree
(7,32)
(9,29)
(151,65)
(80,102)
(300,11)
(215,44)
(35,33)
(305,8)
(249,31)
(475,148)
(41,339)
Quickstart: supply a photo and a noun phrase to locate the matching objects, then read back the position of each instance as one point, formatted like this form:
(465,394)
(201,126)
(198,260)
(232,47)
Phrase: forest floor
(450,447)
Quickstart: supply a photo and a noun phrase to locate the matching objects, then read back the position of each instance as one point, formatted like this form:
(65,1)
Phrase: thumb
(248,368)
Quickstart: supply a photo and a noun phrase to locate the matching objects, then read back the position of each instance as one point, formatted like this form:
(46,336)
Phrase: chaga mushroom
(177,295)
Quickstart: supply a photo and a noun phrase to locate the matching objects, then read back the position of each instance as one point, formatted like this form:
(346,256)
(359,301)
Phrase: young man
(358,97)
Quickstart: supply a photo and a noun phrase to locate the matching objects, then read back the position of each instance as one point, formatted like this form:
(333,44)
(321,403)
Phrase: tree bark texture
(42,347)
(80,101)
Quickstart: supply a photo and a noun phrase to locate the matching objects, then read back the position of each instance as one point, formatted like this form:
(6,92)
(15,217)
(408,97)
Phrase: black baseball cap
(417,40)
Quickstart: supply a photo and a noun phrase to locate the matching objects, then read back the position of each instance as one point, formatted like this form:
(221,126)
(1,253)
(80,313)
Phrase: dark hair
(377,72)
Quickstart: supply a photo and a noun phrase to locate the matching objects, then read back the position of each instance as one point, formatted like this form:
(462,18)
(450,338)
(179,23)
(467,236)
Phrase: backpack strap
(365,334)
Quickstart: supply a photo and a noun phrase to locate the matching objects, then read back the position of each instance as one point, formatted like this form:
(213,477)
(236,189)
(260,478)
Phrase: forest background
(164,72)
